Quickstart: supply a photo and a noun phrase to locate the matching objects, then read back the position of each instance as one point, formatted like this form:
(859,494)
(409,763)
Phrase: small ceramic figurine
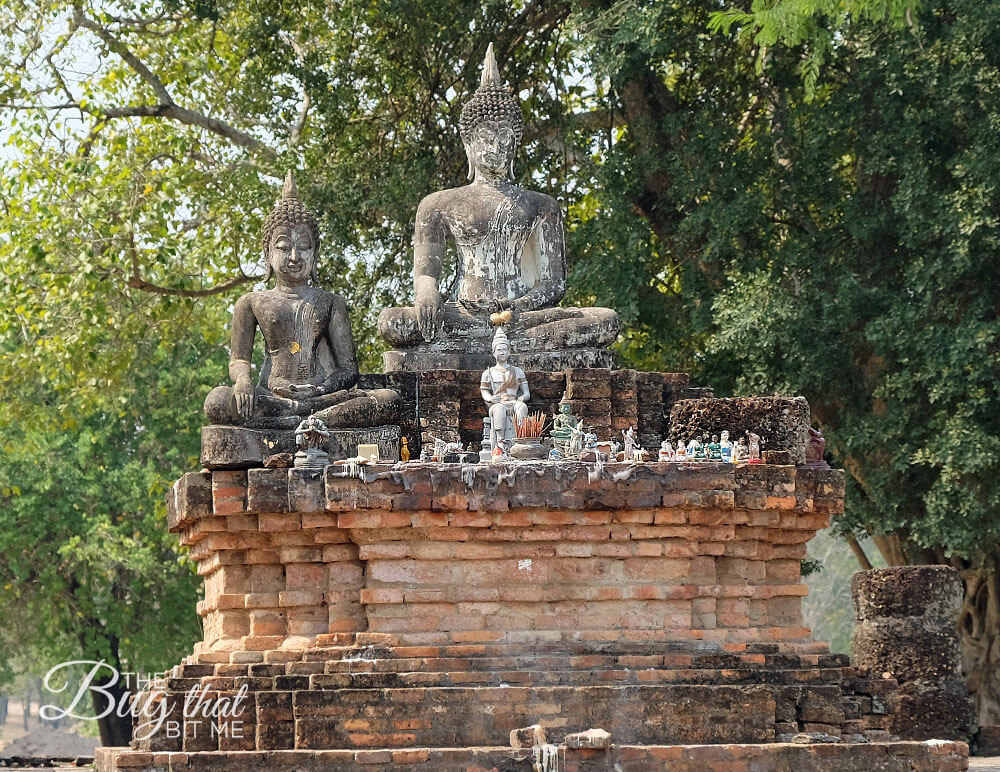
(697,451)
(714,449)
(501,453)
(726,447)
(310,438)
(576,441)
(681,453)
(666,451)
(404,452)
(563,425)
(815,449)
(740,452)
(629,436)
(753,442)
(485,452)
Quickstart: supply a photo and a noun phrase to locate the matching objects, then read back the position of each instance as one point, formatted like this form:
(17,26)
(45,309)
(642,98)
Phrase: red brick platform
(419,617)
(525,554)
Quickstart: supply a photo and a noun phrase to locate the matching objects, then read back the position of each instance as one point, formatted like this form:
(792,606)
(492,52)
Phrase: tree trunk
(115,730)
(979,637)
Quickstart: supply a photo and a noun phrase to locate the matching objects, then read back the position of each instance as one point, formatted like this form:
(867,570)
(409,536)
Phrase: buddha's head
(491,124)
(291,238)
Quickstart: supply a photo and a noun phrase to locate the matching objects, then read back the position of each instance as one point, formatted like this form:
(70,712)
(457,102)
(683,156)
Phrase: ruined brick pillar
(905,629)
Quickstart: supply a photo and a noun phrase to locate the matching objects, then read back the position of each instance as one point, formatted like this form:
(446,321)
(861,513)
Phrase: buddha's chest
(493,218)
(292,324)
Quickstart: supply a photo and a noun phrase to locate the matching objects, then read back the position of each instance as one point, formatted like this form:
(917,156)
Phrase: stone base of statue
(237,447)
(431,614)
(573,755)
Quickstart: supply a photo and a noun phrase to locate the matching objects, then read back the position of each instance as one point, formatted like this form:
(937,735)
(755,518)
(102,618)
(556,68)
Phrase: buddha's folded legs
(562,328)
(549,328)
(365,408)
(399,326)
(345,408)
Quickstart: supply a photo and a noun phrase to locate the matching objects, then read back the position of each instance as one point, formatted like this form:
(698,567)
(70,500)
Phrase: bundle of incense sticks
(532,426)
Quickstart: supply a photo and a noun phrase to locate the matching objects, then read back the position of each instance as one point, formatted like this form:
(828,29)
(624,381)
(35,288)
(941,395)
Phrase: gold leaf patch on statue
(295,348)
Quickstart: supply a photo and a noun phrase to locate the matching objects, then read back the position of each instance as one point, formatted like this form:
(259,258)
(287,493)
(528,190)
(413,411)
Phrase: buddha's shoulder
(260,299)
(328,300)
(442,200)
(542,202)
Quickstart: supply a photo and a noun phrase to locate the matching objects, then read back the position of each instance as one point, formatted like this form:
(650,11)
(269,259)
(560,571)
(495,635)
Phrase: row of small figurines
(717,448)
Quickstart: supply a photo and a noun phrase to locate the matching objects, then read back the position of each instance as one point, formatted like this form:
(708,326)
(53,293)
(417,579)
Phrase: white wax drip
(546,758)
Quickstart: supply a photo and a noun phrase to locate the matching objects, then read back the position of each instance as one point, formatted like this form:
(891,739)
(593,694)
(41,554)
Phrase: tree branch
(135,281)
(167,108)
(859,552)
(81,20)
(191,118)
(218,289)
(300,124)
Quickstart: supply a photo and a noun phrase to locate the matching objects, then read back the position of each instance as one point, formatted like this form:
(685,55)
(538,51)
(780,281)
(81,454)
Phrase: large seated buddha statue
(510,257)
(309,366)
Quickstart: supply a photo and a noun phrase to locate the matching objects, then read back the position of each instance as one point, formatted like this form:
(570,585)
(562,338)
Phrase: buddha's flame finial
(491,73)
(289,189)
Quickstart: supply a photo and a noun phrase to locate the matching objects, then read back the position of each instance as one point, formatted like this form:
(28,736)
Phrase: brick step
(935,756)
(383,678)
(479,657)
(391,714)
(580,662)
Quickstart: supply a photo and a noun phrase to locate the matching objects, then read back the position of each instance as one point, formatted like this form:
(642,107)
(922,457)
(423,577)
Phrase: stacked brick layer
(373,614)
(886,757)
(388,696)
(525,554)
(905,626)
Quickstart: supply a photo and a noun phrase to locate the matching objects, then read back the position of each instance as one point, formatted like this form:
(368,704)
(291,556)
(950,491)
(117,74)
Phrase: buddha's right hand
(244,393)
(430,311)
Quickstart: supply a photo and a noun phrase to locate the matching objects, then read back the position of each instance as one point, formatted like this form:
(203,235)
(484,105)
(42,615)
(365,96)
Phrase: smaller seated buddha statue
(310,367)
(566,428)
(511,260)
(504,388)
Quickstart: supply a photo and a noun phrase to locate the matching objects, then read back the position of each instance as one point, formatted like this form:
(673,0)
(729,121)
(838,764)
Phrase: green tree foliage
(876,297)
(764,228)
(87,567)
(812,25)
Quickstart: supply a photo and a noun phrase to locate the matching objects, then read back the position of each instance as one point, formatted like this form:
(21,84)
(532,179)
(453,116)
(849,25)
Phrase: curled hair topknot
(289,212)
(491,102)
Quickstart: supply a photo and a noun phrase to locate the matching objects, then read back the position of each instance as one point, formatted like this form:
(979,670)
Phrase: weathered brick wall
(437,606)
(904,624)
(703,552)
(447,403)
